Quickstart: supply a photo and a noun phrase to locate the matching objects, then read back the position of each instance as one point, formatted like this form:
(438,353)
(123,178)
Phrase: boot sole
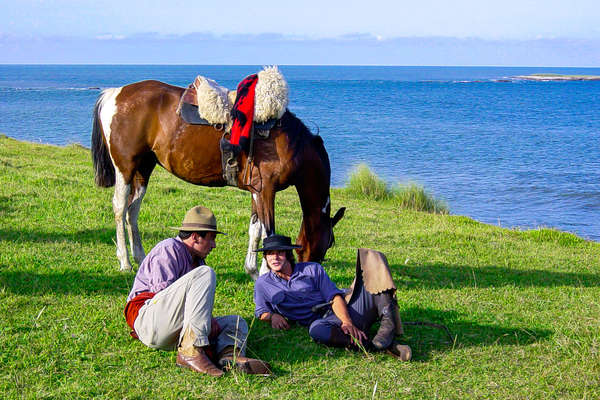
(248,367)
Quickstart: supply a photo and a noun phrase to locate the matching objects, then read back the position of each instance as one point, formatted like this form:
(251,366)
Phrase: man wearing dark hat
(171,302)
(304,293)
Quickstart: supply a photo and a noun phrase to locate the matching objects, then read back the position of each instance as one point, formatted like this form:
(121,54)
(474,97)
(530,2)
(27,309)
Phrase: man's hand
(353,331)
(215,329)
(279,322)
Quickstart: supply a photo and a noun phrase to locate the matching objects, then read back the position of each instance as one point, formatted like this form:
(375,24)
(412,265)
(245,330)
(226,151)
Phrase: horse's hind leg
(140,183)
(120,199)
(135,242)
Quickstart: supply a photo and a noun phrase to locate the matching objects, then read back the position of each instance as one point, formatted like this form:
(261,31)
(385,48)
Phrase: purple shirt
(309,285)
(168,261)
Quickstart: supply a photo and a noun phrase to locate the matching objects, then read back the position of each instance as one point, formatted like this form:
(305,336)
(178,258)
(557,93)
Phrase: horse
(136,127)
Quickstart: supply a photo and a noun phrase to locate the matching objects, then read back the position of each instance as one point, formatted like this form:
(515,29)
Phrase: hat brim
(291,247)
(197,229)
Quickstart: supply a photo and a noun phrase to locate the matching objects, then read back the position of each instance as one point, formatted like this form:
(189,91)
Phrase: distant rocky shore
(558,77)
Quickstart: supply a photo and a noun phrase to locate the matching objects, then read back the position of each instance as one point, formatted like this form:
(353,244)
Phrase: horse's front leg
(262,224)
(120,200)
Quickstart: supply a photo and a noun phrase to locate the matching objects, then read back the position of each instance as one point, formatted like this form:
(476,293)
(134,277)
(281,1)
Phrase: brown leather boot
(400,351)
(195,358)
(386,307)
(230,358)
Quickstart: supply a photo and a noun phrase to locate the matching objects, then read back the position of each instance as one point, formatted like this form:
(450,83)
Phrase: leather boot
(229,153)
(231,358)
(386,308)
(195,358)
(400,351)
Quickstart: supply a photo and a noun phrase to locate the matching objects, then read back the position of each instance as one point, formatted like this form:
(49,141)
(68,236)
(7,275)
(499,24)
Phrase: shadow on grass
(440,275)
(424,339)
(288,347)
(295,346)
(68,282)
(106,236)
(448,276)
(6,204)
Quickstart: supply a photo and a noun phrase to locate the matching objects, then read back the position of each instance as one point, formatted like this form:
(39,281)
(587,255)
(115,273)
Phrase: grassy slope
(524,305)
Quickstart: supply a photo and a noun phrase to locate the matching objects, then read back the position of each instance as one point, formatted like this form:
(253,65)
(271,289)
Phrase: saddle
(205,102)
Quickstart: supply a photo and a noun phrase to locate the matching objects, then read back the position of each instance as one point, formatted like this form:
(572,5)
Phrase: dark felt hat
(278,242)
(199,219)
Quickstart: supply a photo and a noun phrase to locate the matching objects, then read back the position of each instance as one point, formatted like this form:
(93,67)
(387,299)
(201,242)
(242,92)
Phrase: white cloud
(110,37)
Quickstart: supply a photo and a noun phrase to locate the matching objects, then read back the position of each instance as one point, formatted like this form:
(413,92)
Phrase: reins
(250,160)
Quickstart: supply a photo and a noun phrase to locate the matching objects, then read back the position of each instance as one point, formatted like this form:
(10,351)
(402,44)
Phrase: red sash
(132,309)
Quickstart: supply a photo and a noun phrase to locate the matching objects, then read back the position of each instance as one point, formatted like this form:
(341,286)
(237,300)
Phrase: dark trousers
(362,310)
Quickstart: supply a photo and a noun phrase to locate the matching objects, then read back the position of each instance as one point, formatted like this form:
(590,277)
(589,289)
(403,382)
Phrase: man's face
(202,246)
(277,260)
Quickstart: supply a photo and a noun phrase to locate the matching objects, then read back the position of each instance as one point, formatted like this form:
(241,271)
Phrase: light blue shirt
(308,286)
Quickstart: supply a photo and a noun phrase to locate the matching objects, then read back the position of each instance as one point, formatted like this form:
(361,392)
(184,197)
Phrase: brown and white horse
(136,127)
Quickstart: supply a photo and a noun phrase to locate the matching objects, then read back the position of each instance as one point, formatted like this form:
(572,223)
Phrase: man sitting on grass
(171,303)
(304,293)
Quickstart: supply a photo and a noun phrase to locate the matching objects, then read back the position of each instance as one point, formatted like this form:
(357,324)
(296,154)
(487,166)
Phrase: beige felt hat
(199,219)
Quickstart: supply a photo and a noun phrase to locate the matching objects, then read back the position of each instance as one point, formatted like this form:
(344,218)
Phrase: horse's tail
(105,170)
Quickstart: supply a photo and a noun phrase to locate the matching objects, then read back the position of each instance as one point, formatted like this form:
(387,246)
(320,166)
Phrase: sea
(499,149)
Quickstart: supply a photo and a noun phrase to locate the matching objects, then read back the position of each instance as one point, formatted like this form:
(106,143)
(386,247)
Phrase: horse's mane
(300,136)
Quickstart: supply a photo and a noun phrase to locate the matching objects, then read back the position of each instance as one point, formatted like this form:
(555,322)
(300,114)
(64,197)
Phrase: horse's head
(312,175)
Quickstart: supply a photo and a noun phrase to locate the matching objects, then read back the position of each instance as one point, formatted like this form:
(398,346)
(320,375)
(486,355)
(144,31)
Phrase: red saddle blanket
(243,112)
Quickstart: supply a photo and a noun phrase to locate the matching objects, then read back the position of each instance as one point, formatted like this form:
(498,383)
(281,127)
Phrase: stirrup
(230,171)
(229,162)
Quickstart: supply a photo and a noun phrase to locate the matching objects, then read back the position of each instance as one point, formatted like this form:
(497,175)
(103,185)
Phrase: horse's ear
(338,215)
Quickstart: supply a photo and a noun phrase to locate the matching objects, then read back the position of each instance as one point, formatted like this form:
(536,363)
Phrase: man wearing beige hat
(171,302)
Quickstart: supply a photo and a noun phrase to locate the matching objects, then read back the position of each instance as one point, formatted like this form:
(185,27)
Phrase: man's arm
(277,320)
(264,311)
(340,309)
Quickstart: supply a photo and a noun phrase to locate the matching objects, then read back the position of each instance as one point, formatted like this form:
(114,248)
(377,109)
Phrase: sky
(426,32)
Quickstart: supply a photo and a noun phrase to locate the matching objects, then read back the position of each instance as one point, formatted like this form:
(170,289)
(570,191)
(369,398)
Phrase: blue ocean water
(500,150)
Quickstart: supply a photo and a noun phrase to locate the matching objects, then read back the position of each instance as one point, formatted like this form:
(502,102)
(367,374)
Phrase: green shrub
(365,184)
(413,196)
(552,235)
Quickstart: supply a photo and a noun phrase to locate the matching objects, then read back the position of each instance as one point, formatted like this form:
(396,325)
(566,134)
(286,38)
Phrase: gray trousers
(188,302)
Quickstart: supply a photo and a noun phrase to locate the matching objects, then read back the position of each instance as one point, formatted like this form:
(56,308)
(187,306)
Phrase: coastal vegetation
(365,184)
(522,305)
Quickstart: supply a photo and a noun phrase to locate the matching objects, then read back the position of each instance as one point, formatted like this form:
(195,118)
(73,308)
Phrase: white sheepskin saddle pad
(214,104)
(270,95)
(270,98)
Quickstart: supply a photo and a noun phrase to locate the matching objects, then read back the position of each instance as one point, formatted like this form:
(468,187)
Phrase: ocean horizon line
(303,65)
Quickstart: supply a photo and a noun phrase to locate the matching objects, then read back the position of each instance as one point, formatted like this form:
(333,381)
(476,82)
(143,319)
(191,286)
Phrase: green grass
(523,304)
(365,184)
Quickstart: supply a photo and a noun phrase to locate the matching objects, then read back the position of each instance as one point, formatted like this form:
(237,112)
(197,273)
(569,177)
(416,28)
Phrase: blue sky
(427,32)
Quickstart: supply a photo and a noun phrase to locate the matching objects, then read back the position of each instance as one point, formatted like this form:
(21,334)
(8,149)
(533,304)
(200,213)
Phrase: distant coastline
(558,77)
